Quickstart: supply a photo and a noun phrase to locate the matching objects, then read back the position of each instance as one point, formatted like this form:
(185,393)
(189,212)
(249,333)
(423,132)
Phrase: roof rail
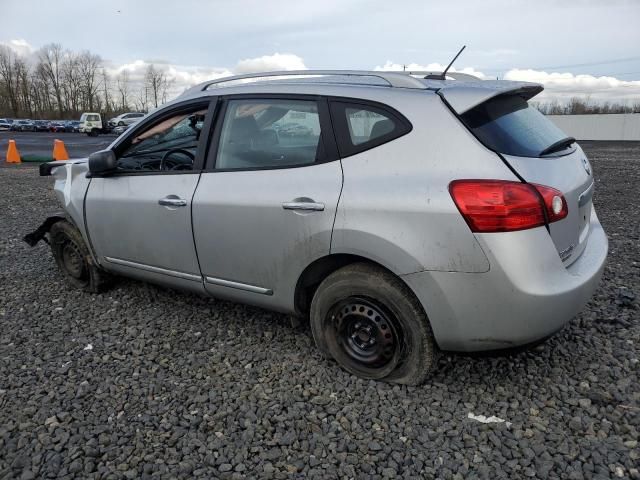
(397,79)
(393,79)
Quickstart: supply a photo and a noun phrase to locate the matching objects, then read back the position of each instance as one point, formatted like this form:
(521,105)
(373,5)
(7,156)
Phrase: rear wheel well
(320,269)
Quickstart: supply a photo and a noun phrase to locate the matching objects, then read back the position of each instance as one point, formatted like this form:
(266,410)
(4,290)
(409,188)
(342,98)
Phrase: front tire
(369,321)
(74,260)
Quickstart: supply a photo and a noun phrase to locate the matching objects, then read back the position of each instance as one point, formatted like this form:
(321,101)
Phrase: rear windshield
(509,125)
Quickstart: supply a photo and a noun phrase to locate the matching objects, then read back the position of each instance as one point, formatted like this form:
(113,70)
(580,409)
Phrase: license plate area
(585,202)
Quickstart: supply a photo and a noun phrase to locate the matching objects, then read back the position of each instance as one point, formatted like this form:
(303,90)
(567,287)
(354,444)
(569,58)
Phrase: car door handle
(309,206)
(172,201)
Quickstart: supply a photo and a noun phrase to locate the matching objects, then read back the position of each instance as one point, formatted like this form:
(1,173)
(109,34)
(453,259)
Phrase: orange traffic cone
(59,150)
(13,156)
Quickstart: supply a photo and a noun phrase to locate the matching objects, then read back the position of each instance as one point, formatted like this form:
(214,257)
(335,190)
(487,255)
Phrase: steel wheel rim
(368,340)
(73,260)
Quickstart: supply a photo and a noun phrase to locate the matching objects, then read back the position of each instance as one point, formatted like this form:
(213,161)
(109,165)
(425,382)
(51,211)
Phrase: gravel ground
(145,382)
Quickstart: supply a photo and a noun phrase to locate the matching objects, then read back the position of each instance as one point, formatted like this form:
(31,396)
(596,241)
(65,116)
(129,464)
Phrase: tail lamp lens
(505,206)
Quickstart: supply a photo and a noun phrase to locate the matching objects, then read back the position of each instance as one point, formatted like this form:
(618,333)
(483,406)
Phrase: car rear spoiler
(463,96)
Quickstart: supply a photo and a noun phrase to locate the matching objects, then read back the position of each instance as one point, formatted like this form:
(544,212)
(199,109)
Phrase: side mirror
(102,162)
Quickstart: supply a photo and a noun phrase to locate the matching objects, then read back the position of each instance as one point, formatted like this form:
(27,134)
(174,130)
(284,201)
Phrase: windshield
(509,125)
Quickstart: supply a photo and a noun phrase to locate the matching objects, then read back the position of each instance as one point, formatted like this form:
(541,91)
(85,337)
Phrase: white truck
(91,123)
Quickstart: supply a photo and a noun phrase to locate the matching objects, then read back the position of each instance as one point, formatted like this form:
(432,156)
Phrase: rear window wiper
(557,146)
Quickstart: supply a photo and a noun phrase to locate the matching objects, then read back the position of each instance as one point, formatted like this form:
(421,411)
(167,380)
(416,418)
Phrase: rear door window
(509,125)
(361,126)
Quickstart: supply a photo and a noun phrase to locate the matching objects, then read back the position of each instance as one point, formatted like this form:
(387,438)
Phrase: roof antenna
(443,75)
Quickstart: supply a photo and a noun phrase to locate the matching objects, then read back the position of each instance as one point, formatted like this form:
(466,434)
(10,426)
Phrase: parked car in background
(57,127)
(41,125)
(294,130)
(119,130)
(428,214)
(23,126)
(72,126)
(4,124)
(126,119)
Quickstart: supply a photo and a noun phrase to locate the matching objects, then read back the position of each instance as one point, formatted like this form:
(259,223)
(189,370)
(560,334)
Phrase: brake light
(505,206)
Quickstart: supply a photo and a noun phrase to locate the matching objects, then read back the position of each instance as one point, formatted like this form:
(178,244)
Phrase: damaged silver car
(403,213)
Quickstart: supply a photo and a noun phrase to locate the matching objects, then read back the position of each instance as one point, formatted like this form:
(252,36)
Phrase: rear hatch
(535,149)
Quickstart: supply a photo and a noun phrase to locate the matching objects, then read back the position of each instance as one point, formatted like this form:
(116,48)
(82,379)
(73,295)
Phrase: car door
(265,206)
(139,217)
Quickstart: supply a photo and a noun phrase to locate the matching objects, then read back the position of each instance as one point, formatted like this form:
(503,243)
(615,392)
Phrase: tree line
(57,83)
(580,106)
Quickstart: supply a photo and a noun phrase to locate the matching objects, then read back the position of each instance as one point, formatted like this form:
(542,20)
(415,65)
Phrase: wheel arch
(321,268)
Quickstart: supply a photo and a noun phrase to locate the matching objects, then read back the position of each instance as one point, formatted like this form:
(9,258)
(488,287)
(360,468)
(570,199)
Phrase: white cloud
(557,86)
(266,63)
(563,86)
(185,76)
(181,76)
(19,46)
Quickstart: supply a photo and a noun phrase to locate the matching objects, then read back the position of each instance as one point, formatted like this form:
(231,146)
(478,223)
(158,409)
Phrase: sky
(585,48)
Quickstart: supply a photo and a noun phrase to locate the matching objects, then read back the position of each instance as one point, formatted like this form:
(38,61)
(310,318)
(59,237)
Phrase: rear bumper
(527,294)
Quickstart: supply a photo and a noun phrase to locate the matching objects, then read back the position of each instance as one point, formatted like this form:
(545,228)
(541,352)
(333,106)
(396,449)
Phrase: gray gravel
(146,382)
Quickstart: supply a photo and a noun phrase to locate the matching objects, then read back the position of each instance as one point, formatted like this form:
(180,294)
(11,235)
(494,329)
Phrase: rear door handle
(172,201)
(308,206)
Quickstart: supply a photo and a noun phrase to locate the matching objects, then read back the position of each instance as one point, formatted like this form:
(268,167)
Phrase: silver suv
(403,215)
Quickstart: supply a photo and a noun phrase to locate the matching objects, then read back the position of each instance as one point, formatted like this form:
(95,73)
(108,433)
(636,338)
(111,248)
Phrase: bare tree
(106,87)
(24,83)
(9,79)
(141,101)
(50,57)
(88,65)
(157,84)
(123,86)
(72,83)
(582,106)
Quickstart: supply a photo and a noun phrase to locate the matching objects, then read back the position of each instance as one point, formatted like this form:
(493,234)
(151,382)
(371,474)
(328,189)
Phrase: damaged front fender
(70,187)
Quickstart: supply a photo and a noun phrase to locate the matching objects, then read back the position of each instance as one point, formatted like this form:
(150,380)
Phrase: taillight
(504,206)
(554,202)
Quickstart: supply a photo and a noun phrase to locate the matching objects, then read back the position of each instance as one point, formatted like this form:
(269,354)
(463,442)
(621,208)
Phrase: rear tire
(74,260)
(369,321)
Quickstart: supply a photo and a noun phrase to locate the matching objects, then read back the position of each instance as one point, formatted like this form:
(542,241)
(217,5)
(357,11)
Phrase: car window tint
(169,145)
(269,133)
(509,125)
(362,125)
(365,125)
